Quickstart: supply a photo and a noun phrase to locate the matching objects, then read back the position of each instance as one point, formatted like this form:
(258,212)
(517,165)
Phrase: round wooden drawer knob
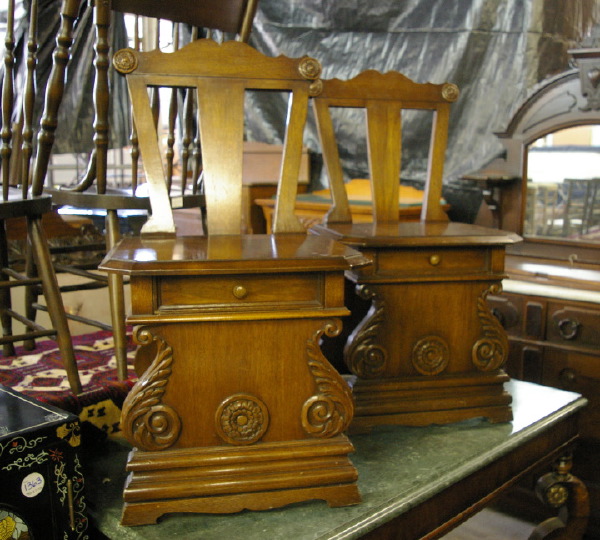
(434,260)
(239,291)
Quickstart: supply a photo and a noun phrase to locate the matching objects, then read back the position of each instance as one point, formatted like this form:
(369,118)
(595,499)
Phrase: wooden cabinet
(236,407)
(42,492)
(556,342)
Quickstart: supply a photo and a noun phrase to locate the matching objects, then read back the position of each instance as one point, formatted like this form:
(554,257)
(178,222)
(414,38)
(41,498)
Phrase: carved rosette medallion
(241,419)
(149,424)
(430,355)
(489,353)
(450,92)
(125,61)
(330,411)
(363,356)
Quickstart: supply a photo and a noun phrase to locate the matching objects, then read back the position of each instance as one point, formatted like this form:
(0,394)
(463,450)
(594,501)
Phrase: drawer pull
(434,260)
(239,291)
(568,328)
(568,377)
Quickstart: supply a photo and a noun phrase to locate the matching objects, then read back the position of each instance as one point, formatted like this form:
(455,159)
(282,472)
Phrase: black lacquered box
(40,471)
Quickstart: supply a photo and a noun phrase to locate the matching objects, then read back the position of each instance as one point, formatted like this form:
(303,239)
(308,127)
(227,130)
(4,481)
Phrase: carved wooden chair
(93,192)
(229,323)
(24,200)
(428,349)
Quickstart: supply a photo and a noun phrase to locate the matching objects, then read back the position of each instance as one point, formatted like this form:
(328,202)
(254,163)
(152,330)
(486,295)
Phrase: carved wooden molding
(363,356)
(329,412)
(241,419)
(430,355)
(147,423)
(489,353)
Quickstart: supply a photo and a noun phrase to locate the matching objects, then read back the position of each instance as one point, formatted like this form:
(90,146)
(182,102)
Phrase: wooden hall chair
(94,192)
(24,199)
(238,408)
(428,350)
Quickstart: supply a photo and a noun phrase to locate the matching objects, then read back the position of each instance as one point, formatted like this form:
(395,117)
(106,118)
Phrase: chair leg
(31,293)
(117,300)
(54,302)
(8,349)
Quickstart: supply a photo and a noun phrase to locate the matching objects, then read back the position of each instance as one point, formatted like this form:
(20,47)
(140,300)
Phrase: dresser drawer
(434,262)
(240,291)
(573,325)
(576,372)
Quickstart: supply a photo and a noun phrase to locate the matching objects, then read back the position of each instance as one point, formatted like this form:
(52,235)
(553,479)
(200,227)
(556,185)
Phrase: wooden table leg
(561,490)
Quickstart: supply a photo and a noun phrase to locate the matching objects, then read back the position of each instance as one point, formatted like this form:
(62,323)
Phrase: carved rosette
(363,356)
(241,419)
(430,355)
(330,411)
(147,423)
(125,61)
(489,353)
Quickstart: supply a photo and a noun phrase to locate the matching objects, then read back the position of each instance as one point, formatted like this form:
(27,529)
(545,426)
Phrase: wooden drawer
(573,325)
(576,372)
(241,291)
(508,309)
(433,262)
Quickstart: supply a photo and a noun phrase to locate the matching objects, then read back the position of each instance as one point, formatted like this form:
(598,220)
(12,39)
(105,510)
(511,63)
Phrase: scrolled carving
(450,92)
(125,61)
(330,411)
(241,419)
(315,88)
(489,353)
(363,356)
(430,355)
(309,68)
(147,423)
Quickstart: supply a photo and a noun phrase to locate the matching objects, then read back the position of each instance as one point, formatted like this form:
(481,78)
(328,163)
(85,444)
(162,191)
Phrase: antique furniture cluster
(236,406)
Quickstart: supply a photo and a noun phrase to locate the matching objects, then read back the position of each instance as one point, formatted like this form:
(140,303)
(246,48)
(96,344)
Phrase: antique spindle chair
(427,350)
(24,199)
(93,191)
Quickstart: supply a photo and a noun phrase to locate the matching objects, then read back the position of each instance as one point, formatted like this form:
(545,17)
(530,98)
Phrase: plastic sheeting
(494,50)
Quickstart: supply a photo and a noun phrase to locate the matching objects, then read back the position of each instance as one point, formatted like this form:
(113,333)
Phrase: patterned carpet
(40,375)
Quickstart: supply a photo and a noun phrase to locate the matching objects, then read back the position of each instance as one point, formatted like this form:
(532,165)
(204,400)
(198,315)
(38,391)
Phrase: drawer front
(244,291)
(576,372)
(432,262)
(508,309)
(573,325)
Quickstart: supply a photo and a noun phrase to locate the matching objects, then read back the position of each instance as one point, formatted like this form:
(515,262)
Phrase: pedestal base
(418,401)
(231,479)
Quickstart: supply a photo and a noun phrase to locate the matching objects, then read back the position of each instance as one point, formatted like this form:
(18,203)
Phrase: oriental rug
(40,374)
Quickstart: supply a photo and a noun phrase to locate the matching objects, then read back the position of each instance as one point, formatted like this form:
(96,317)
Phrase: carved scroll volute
(363,356)
(489,353)
(330,411)
(147,423)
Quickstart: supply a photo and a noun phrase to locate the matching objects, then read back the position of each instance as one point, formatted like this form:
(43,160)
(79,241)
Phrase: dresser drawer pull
(568,328)
(568,377)
(434,260)
(239,291)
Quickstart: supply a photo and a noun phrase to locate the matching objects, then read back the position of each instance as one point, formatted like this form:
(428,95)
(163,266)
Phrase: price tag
(32,484)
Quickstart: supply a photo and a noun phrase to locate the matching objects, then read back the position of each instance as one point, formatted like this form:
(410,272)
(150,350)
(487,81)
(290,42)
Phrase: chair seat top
(16,206)
(415,234)
(222,254)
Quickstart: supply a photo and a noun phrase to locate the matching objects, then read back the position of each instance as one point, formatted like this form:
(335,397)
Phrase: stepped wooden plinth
(236,406)
(429,350)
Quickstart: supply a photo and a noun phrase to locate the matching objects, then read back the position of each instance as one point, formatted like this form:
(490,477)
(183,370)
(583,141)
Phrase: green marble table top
(399,467)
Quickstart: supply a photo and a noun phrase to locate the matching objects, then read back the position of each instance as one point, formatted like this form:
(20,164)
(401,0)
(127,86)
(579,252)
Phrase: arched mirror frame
(566,100)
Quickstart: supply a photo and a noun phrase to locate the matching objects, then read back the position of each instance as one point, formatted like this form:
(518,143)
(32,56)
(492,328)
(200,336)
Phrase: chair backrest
(384,96)
(19,122)
(220,76)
